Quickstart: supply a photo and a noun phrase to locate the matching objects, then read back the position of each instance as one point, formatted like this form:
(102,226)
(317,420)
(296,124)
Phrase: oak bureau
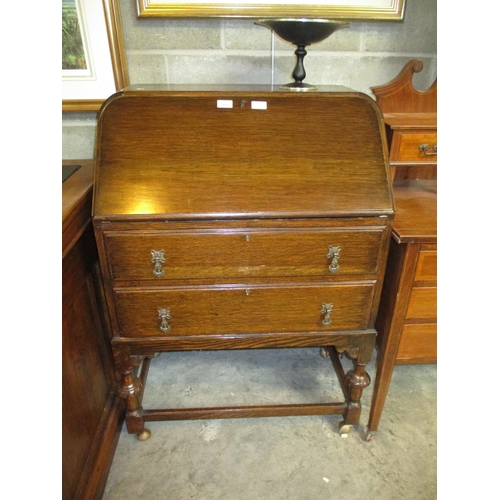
(241,217)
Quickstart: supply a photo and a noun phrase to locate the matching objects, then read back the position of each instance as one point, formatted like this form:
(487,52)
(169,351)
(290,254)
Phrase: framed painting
(348,10)
(94,62)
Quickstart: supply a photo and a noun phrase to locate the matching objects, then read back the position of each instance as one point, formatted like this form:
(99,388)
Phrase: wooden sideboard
(407,318)
(412,273)
(92,414)
(241,217)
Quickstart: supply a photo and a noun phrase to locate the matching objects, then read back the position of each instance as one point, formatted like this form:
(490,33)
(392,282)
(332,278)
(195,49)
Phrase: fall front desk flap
(240,152)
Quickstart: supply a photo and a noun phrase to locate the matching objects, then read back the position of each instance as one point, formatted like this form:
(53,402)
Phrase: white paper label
(224,103)
(259,104)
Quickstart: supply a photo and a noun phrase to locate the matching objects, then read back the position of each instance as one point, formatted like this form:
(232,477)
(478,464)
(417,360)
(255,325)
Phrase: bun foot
(144,435)
(344,429)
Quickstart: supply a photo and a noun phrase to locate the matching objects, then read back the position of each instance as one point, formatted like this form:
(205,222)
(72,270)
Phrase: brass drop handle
(334,254)
(326,309)
(425,149)
(164,316)
(158,258)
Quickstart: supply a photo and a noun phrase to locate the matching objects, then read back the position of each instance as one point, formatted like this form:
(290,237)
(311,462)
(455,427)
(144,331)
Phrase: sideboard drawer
(418,342)
(423,303)
(409,144)
(426,266)
(243,254)
(216,310)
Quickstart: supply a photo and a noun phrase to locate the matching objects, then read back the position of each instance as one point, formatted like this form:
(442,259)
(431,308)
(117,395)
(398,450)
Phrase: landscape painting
(75,50)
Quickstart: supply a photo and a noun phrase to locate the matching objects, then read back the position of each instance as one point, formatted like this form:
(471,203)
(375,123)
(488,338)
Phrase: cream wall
(238,51)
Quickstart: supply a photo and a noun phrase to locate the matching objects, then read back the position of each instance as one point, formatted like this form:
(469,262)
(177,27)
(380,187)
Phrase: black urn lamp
(301,32)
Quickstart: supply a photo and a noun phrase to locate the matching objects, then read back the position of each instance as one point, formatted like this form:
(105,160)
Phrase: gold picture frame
(348,10)
(117,64)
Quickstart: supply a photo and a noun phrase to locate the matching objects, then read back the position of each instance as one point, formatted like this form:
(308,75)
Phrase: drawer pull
(164,316)
(425,149)
(158,258)
(326,309)
(334,254)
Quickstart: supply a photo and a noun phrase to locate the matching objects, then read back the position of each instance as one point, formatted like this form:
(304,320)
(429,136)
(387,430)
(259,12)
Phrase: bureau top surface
(416,211)
(241,153)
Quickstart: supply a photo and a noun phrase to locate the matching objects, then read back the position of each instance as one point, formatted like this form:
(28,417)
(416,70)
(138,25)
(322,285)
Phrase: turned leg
(130,390)
(357,379)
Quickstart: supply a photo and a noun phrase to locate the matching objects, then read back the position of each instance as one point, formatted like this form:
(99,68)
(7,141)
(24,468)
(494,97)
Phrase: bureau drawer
(406,147)
(219,310)
(243,254)
(423,303)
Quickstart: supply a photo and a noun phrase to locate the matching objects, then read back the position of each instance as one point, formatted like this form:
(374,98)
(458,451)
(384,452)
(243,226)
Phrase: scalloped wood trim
(399,95)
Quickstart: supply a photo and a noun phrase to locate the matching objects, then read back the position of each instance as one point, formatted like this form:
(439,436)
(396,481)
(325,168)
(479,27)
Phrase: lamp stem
(299,73)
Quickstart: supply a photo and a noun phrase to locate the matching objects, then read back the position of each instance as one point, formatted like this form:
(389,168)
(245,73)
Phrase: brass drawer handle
(425,149)
(158,258)
(334,254)
(164,316)
(326,309)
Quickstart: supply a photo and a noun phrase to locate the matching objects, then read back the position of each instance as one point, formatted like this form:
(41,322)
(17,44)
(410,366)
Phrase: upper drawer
(426,266)
(407,146)
(164,255)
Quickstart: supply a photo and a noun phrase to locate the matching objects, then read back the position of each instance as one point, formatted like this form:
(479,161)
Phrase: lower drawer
(217,310)
(418,343)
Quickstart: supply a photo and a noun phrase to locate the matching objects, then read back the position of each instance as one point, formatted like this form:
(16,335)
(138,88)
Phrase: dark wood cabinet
(92,414)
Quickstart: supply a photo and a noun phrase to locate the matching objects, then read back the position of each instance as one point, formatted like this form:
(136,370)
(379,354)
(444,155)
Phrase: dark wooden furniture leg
(354,381)
(131,390)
